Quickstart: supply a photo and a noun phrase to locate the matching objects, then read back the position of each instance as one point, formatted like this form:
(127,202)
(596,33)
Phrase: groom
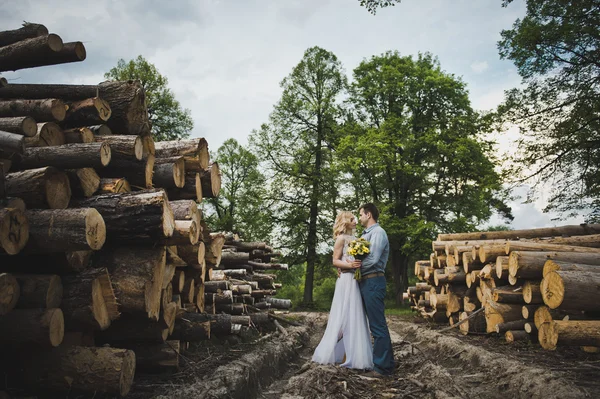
(372,289)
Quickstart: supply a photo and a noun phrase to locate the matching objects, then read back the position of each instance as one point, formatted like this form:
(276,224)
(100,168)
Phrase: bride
(347,332)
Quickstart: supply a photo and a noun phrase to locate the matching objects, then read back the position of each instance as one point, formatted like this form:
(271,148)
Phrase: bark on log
(185,232)
(58,263)
(508,295)
(100,130)
(113,185)
(537,246)
(61,230)
(89,300)
(449,277)
(572,290)
(134,217)
(192,188)
(137,173)
(193,255)
(516,336)
(194,149)
(25,126)
(528,311)
(137,278)
(200,302)
(214,249)
(82,369)
(14,230)
(13,202)
(44,327)
(569,333)
(126,98)
(510,325)
(552,265)
(39,291)
(68,156)
(27,31)
(234,258)
(123,147)
(90,111)
(531,264)
(217,286)
(195,327)
(11,143)
(9,293)
(279,303)
(84,182)
(40,188)
(574,230)
(544,314)
(476,324)
(186,210)
(231,308)
(178,281)
(156,357)
(48,134)
(532,293)
(81,135)
(170,174)
(211,181)
(46,110)
(133,328)
(497,313)
(30,53)
(188,292)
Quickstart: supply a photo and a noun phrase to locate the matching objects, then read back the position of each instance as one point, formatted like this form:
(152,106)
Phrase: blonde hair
(343,219)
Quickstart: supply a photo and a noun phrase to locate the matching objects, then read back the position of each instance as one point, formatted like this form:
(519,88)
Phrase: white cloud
(480,66)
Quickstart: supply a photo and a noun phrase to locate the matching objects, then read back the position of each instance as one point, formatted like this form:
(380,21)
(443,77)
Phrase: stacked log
(535,285)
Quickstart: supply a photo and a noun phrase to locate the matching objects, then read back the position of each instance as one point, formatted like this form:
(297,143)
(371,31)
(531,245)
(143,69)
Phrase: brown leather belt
(379,274)
(347,270)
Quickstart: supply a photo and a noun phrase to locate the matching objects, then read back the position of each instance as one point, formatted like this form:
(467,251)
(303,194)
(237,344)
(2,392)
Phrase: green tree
(413,146)
(169,121)
(240,207)
(296,146)
(373,5)
(556,48)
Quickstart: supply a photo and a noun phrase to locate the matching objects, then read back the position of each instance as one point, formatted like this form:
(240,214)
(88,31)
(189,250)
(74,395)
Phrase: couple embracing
(347,339)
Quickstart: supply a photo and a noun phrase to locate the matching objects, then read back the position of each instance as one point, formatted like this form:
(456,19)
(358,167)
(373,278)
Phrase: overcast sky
(225,58)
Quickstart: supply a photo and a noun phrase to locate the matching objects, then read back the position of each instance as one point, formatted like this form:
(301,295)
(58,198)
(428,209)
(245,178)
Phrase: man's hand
(356,264)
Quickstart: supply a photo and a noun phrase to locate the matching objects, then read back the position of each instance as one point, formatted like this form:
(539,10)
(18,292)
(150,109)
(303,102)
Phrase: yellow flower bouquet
(359,249)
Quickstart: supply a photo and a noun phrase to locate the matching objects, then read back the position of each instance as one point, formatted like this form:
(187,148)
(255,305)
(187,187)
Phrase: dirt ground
(429,364)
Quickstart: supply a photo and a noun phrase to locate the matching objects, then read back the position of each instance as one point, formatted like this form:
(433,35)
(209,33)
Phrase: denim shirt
(377,259)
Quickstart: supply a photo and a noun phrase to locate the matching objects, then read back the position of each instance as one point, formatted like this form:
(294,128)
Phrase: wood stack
(104,256)
(540,285)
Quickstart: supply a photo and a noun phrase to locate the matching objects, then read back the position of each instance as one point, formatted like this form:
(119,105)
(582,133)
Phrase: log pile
(535,285)
(106,265)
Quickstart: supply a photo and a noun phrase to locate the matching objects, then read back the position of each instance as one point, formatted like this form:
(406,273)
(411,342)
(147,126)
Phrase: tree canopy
(169,121)
(373,5)
(556,48)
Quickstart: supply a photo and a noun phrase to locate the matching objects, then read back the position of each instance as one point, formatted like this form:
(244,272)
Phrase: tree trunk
(90,111)
(29,53)
(569,333)
(192,189)
(14,230)
(575,230)
(475,325)
(572,290)
(230,308)
(235,258)
(185,233)
(11,143)
(81,135)
(10,293)
(48,134)
(44,327)
(25,125)
(195,149)
(137,277)
(552,265)
(89,300)
(134,217)
(279,303)
(497,313)
(137,173)
(40,188)
(531,264)
(61,230)
(508,295)
(186,210)
(68,156)
(517,336)
(544,314)
(532,293)
(510,325)
(539,246)
(39,291)
(27,31)
(82,369)
(193,255)
(528,311)
(123,147)
(84,182)
(170,174)
(127,101)
(47,110)
(113,185)
(211,181)
(194,327)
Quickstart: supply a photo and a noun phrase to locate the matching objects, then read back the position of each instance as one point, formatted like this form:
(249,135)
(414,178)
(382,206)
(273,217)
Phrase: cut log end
(553,290)
(95,229)
(56,325)
(9,292)
(548,335)
(58,190)
(14,230)
(105,154)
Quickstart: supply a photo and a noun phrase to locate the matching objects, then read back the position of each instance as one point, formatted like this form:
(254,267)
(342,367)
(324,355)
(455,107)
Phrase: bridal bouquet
(358,248)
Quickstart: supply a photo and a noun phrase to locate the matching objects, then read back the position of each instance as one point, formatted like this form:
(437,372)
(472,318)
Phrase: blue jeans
(373,294)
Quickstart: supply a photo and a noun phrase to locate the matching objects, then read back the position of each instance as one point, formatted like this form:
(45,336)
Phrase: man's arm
(376,248)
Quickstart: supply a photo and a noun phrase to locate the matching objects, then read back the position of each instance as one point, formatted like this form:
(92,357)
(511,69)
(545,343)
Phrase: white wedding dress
(347,331)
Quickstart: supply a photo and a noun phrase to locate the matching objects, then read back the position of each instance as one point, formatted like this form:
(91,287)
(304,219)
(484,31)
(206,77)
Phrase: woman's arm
(338,249)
